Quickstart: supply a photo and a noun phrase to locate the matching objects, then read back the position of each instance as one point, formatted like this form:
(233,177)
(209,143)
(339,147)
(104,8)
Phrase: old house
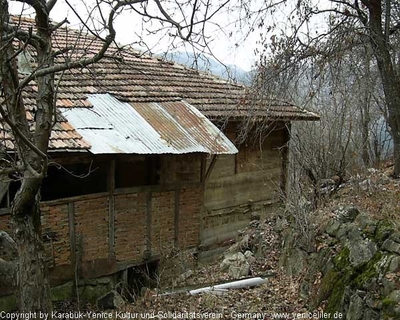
(143,159)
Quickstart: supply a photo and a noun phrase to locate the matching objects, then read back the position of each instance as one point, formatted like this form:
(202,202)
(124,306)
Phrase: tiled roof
(135,78)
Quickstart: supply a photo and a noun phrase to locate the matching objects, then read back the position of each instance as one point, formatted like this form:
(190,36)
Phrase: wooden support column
(203,165)
(111,209)
(210,167)
(285,162)
(147,255)
(176,218)
(71,225)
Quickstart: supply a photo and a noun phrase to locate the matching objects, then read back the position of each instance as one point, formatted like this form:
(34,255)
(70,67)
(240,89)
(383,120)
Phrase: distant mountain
(211,65)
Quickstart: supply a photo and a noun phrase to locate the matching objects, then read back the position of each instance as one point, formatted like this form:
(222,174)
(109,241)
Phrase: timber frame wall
(103,233)
(251,181)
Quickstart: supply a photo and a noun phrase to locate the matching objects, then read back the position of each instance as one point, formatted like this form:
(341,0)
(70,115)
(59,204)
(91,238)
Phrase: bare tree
(30,139)
(317,33)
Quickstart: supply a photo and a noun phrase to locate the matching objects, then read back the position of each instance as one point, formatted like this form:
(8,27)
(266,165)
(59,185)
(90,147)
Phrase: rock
(370,314)
(361,252)
(356,308)
(383,230)
(391,304)
(387,286)
(366,224)
(354,233)
(236,264)
(391,246)
(111,300)
(235,259)
(349,215)
(239,246)
(395,296)
(395,237)
(349,232)
(186,275)
(365,185)
(248,254)
(294,261)
(332,228)
(239,271)
(383,179)
(62,292)
(394,264)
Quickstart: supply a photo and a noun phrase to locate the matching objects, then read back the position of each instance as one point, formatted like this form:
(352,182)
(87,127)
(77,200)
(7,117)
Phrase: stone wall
(355,270)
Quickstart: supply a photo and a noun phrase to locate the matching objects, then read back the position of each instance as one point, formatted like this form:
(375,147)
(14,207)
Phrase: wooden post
(111,209)
(285,162)
(210,167)
(148,225)
(176,218)
(72,242)
(71,225)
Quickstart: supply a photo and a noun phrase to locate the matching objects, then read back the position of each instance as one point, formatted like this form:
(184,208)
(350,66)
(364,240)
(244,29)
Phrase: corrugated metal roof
(112,126)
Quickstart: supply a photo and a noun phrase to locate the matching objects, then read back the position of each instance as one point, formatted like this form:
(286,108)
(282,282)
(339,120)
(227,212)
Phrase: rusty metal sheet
(112,126)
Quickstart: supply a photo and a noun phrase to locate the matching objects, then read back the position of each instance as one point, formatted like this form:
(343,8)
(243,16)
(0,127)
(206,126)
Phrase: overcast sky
(228,35)
(230,43)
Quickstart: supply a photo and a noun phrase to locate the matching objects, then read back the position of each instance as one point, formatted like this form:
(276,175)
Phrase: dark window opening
(143,171)
(74,180)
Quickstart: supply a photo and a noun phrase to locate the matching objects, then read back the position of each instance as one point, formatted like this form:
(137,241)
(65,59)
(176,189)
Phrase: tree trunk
(33,290)
(396,146)
(390,78)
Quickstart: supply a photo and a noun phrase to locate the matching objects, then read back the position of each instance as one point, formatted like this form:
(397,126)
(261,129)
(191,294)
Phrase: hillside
(209,64)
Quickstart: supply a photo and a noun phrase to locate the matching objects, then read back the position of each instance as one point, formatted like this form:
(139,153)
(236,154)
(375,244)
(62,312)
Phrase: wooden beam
(210,167)
(71,225)
(203,165)
(176,218)
(111,208)
(148,225)
(285,161)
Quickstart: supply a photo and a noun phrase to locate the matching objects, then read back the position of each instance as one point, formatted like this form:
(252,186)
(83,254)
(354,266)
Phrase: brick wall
(91,217)
(190,207)
(162,221)
(91,223)
(130,226)
(145,218)
(55,228)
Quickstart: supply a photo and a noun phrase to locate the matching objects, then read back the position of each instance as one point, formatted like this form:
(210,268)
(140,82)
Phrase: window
(138,171)
(74,180)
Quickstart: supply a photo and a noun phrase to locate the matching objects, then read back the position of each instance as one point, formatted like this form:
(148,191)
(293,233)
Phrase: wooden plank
(176,218)
(210,168)
(148,225)
(111,209)
(158,188)
(203,166)
(76,198)
(285,162)
(71,225)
